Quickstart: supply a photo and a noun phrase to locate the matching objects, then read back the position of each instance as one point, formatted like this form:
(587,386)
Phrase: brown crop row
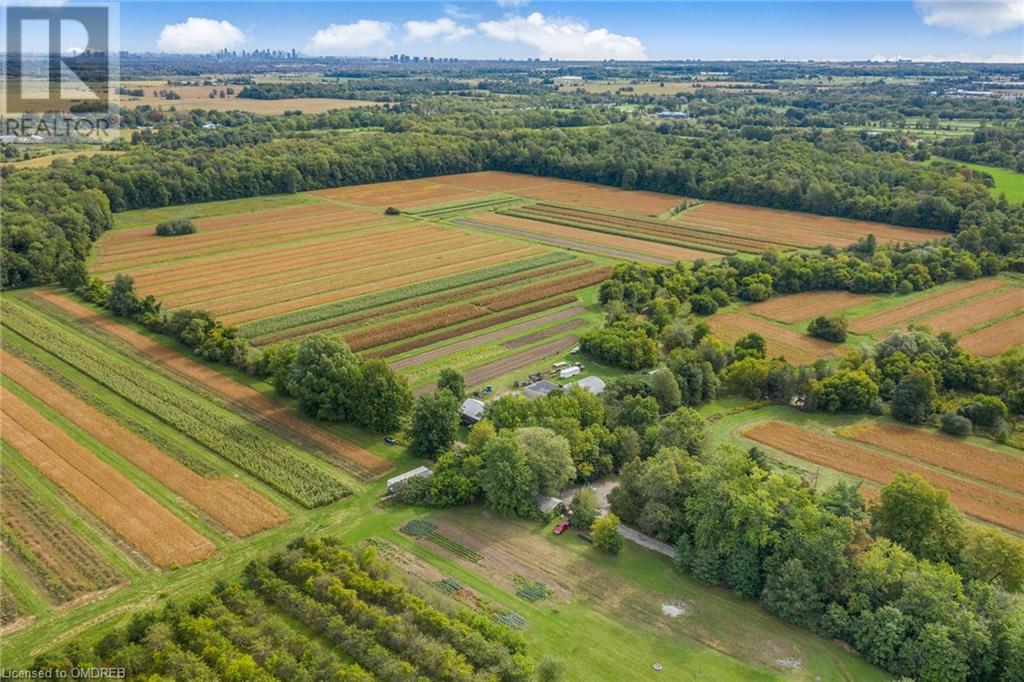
(611,198)
(996,338)
(908,311)
(952,454)
(389,283)
(979,311)
(542,334)
(56,556)
(422,302)
(412,326)
(983,502)
(627,244)
(475,341)
(263,409)
(796,347)
(230,502)
(129,512)
(544,289)
(804,306)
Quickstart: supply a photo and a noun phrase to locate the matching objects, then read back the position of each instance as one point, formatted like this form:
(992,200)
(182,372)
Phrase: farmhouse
(472,411)
(400,480)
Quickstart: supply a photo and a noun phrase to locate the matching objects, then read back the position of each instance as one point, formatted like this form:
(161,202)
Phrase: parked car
(390,441)
(561,527)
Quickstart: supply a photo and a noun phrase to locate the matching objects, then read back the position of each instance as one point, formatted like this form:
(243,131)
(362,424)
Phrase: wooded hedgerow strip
(271,325)
(227,434)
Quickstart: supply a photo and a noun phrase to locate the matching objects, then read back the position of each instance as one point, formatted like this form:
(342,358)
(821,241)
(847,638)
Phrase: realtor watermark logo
(60,73)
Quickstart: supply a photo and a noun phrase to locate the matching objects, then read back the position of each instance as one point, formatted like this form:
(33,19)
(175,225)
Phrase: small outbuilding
(401,479)
(539,389)
(593,385)
(549,505)
(472,411)
(569,372)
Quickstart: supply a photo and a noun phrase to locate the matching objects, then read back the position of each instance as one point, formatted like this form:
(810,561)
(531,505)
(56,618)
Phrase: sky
(928,30)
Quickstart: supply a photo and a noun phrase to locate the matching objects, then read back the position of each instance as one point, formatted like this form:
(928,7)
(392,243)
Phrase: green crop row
(229,435)
(271,325)
(439,212)
(454,547)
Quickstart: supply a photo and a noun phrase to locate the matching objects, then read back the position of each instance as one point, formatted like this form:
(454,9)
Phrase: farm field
(198,97)
(995,338)
(955,307)
(997,505)
(795,345)
(804,306)
(804,229)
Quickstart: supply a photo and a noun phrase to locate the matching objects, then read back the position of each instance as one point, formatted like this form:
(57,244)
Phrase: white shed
(568,372)
(399,480)
(472,411)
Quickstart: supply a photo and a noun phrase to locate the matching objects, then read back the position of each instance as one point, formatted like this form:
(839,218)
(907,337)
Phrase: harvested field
(996,338)
(940,450)
(230,502)
(198,97)
(50,552)
(798,348)
(542,334)
(491,181)
(921,306)
(806,229)
(980,311)
(983,502)
(135,516)
(611,198)
(584,240)
(804,306)
(496,335)
(463,261)
(492,370)
(265,411)
(648,229)
(402,194)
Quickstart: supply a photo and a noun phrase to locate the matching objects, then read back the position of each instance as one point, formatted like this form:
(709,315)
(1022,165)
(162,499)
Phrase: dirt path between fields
(268,413)
(495,335)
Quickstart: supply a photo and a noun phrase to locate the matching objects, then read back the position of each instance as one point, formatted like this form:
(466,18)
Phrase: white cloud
(512,3)
(456,12)
(563,38)
(976,17)
(197,35)
(364,37)
(443,28)
(962,58)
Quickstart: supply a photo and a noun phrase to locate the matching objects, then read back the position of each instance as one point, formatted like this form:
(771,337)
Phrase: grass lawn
(1007,181)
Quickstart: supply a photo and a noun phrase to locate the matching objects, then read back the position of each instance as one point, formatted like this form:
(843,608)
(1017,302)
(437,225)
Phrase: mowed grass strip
(301,318)
(231,436)
(980,311)
(230,502)
(793,345)
(164,538)
(47,549)
(983,502)
(803,306)
(459,263)
(263,410)
(995,338)
(804,228)
(899,314)
(952,454)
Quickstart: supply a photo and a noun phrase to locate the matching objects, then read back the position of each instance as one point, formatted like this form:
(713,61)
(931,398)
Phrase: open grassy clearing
(148,217)
(1007,181)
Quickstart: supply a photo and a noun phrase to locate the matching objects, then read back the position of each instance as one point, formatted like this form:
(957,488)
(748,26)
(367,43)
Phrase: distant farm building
(401,479)
(472,411)
(594,385)
(540,389)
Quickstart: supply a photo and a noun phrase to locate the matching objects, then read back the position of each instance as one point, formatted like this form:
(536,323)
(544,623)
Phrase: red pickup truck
(560,527)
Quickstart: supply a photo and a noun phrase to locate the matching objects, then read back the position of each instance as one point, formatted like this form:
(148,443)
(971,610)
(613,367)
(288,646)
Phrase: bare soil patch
(795,346)
(995,338)
(804,306)
(908,311)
